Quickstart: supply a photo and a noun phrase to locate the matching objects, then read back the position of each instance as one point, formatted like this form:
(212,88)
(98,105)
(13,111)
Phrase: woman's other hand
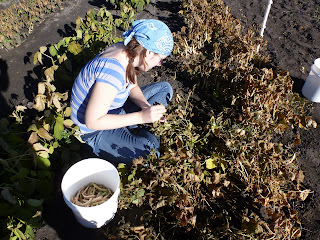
(153,113)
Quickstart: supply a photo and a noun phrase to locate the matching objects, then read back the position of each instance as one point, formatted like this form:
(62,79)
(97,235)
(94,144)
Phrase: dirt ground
(293,35)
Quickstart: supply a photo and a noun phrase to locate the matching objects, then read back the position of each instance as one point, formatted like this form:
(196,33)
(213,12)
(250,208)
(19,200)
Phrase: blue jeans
(126,143)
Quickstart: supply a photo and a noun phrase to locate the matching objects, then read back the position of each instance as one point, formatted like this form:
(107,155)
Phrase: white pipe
(266,14)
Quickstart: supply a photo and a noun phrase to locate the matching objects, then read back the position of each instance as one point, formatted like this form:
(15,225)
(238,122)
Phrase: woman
(107,103)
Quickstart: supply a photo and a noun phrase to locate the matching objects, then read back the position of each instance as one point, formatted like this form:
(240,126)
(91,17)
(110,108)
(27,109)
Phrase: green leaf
(223,164)
(43,154)
(211,163)
(79,33)
(67,40)
(51,149)
(23,173)
(122,169)
(29,232)
(140,192)
(67,112)
(7,195)
(35,59)
(86,38)
(118,22)
(19,234)
(43,162)
(58,128)
(61,43)
(55,144)
(116,39)
(135,201)
(52,50)
(132,175)
(74,48)
(35,202)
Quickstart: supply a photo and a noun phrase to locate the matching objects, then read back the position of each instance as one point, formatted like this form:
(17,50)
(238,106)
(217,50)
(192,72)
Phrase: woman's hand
(153,113)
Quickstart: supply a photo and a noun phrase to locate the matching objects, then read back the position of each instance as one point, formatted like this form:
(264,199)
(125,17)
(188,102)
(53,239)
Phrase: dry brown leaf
(41,88)
(39,103)
(68,123)
(304,194)
(33,138)
(217,177)
(44,134)
(300,177)
(39,147)
(138,229)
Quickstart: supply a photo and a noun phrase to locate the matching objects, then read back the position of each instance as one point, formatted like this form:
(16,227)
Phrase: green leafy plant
(139,5)
(128,10)
(48,136)
(93,33)
(23,185)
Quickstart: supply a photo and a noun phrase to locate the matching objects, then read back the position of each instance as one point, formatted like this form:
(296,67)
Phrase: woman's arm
(137,97)
(102,96)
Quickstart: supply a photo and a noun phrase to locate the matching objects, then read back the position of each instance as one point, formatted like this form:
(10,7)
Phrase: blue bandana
(152,34)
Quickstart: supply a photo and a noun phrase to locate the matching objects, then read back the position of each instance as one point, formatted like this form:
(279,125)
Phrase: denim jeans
(126,143)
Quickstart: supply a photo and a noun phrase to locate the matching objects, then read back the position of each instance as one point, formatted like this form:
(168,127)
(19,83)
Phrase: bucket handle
(315,73)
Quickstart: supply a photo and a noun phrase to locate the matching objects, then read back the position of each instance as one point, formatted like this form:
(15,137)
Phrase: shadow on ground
(4,82)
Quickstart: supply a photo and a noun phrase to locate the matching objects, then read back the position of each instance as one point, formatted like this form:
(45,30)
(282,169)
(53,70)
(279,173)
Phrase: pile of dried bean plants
(91,195)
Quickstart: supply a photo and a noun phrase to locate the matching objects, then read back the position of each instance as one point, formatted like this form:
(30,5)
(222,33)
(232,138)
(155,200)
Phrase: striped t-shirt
(99,69)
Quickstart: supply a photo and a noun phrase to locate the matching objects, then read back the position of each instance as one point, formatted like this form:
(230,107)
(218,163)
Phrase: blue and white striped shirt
(106,70)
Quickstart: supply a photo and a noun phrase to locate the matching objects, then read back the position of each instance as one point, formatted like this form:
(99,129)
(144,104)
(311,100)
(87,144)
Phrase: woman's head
(148,42)
(152,34)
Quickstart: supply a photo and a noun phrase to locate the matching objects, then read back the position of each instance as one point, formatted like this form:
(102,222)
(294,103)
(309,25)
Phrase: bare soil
(293,36)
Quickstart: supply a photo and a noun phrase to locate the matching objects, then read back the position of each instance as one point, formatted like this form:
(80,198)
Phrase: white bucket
(81,174)
(311,88)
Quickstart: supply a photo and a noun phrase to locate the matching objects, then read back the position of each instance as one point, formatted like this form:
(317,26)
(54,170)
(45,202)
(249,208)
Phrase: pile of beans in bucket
(91,195)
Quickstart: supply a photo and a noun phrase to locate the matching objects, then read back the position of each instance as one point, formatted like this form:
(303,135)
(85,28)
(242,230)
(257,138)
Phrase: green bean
(91,195)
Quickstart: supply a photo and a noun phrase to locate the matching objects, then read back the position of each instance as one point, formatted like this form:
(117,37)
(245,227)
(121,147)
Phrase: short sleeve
(110,71)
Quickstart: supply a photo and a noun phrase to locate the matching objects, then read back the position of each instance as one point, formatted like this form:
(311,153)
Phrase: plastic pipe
(264,23)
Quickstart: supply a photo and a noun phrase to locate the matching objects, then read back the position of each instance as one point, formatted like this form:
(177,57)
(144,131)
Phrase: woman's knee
(168,88)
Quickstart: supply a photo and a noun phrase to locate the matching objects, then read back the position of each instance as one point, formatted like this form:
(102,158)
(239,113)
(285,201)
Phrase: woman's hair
(133,50)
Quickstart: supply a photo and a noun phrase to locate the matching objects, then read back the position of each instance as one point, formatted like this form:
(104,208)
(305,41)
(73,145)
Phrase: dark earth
(293,36)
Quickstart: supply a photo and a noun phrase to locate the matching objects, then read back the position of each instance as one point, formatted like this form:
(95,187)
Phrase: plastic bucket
(81,174)
(311,88)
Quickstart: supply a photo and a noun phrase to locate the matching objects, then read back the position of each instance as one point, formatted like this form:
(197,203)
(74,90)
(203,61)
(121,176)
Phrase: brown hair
(133,50)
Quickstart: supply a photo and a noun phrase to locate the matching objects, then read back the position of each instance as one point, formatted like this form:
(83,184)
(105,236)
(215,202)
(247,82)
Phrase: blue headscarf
(152,34)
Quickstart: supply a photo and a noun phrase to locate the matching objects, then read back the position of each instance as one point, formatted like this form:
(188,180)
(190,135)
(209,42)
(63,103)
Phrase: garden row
(18,20)
(220,174)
